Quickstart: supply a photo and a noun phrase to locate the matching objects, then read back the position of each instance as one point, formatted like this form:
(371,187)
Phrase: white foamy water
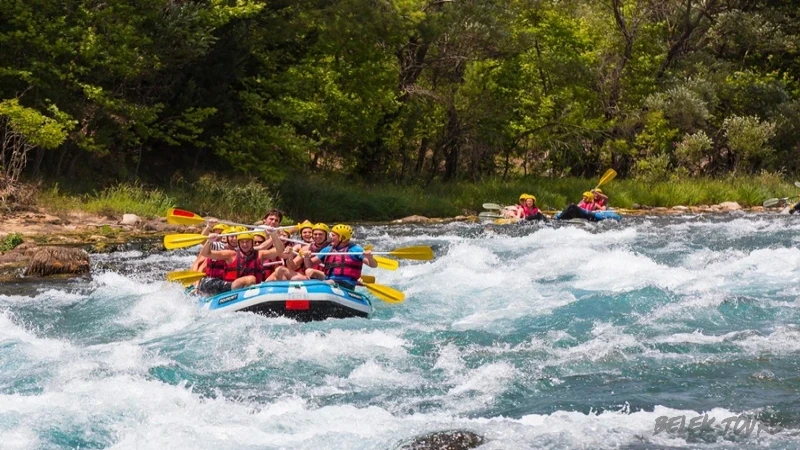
(537,337)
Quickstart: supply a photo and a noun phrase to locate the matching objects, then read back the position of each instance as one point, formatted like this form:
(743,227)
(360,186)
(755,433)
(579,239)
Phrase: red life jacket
(343,265)
(215,268)
(600,202)
(591,206)
(249,265)
(529,211)
(232,269)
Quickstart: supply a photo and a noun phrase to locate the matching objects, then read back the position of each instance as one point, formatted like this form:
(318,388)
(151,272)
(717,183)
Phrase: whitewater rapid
(533,337)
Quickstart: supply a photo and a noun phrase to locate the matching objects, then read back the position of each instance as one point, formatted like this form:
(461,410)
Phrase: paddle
(494,206)
(178,216)
(418,253)
(190,276)
(774,201)
(383,263)
(490,215)
(176,241)
(385,293)
(608,176)
(185,276)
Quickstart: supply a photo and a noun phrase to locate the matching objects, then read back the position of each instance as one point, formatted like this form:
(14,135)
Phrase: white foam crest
(785,340)
(232,348)
(776,263)
(738,227)
(490,380)
(570,237)
(163,312)
(688,307)
(624,271)
(142,414)
(37,348)
(608,342)
(116,284)
(20,438)
(44,299)
(372,374)
(697,337)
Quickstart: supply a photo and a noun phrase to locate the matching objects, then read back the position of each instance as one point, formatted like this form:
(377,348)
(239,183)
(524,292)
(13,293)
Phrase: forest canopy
(398,90)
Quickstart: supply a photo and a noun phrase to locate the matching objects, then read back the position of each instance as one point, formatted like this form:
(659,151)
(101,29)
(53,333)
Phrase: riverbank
(327,199)
(36,230)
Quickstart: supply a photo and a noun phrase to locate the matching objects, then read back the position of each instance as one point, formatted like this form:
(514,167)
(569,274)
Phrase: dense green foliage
(405,90)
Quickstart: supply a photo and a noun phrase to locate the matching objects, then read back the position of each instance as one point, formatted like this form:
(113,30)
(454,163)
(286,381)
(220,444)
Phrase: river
(533,337)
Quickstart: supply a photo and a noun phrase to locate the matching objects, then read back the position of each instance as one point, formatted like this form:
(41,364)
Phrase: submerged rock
(445,440)
(47,261)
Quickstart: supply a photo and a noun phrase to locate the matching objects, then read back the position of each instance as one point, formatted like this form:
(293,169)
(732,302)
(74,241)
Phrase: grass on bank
(229,199)
(324,199)
(332,200)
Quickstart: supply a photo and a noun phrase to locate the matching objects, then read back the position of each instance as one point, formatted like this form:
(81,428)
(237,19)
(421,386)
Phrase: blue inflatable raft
(574,212)
(299,300)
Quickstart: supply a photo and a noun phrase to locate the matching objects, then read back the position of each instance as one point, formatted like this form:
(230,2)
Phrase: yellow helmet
(245,237)
(344,232)
(219,228)
(532,197)
(305,224)
(260,233)
(322,226)
(598,190)
(588,195)
(522,197)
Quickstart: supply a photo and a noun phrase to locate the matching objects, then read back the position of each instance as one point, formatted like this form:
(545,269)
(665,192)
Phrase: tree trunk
(421,152)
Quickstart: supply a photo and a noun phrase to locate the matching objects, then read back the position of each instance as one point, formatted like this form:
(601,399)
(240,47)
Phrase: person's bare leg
(314,274)
(243,282)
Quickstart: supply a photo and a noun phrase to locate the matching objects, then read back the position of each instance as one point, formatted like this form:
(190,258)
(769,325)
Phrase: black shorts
(214,286)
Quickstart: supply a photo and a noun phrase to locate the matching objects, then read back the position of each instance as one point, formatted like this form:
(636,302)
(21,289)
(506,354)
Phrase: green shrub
(10,242)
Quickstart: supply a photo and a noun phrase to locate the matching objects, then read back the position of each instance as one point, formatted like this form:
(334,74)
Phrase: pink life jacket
(591,206)
(343,265)
(529,211)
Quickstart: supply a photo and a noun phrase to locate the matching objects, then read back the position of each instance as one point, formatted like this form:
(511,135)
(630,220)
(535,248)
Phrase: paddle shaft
(255,227)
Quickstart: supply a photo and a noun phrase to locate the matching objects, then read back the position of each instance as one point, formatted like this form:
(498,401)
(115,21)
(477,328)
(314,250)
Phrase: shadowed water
(571,336)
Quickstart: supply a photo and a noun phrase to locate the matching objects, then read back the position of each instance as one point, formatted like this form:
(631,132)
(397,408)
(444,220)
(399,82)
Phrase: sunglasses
(258,241)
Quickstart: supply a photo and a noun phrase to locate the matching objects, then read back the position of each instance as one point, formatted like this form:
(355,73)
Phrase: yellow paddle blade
(608,176)
(175,241)
(386,263)
(367,279)
(185,276)
(418,253)
(508,221)
(385,293)
(182,217)
(177,275)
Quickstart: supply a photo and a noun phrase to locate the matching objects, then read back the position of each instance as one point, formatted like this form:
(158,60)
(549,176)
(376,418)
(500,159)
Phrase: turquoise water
(568,337)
